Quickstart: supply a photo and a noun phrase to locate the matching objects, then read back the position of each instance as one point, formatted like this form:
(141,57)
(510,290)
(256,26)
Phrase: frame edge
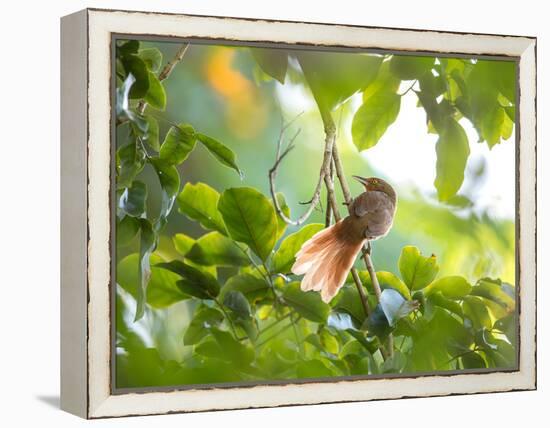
(74,213)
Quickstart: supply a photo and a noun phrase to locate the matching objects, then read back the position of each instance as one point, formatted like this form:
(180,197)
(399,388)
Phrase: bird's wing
(371,201)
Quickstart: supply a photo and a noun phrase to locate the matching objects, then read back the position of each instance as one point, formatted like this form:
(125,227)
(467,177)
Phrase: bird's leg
(368,249)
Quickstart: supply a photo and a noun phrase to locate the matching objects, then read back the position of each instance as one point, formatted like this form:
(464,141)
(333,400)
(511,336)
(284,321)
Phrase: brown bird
(327,257)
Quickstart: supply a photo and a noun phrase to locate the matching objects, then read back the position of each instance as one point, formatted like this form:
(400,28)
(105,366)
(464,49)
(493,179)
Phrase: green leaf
(452,287)
(237,303)
(147,245)
(272,62)
(132,200)
(395,306)
(170,183)
(313,369)
(493,290)
(334,77)
(203,319)
(416,270)
(385,82)
(388,280)
(507,325)
(126,230)
(127,48)
(476,311)
(284,257)
(199,202)
(223,346)
(348,301)
(152,58)
(156,95)
(373,119)
(252,287)
(221,152)
(472,360)
(307,304)
(162,290)
(135,66)
(194,282)
(411,67)
(178,144)
(130,162)
(452,151)
(438,299)
(216,249)
(122,105)
(249,218)
(182,243)
(151,137)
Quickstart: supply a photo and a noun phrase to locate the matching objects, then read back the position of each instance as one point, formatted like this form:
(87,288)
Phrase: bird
(327,257)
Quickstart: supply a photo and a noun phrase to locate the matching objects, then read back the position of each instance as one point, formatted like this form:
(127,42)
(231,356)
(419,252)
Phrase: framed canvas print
(261,213)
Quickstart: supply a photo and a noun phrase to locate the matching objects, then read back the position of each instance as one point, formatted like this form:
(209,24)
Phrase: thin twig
(166,71)
(327,156)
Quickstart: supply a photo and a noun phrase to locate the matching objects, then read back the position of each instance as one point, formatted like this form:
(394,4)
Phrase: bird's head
(378,185)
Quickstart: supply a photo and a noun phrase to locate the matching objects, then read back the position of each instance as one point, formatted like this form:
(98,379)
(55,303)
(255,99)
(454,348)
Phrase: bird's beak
(361,180)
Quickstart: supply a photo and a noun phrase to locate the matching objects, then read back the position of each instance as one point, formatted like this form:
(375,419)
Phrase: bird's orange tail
(326,259)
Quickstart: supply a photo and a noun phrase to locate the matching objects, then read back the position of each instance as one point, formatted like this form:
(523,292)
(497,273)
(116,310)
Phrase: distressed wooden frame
(86,107)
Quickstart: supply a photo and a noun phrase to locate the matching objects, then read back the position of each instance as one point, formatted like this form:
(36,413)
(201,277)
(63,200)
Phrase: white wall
(29,222)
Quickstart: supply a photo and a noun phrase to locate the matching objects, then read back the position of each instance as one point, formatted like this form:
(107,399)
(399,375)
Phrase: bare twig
(165,72)
(325,166)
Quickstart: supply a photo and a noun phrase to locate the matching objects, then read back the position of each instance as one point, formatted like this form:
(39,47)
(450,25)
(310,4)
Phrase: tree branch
(165,72)
(325,167)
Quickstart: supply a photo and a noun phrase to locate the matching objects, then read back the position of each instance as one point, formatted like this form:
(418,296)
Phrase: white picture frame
(86,218)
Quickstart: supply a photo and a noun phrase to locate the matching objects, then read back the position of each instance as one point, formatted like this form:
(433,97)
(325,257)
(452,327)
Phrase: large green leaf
(385,82)
(156,95)
(476,311)
(249,218)
(452,151)
(493,290)
(284,257)
(122,104)
(151,137)
(170,183)
(373,119)
(161,291)
(252,287)
(216,249)
(334,77)
(348,301)
(452,287)
(182,243)
(130,162)
(389,280)
(395,306)
(132,200)
(194,282)
(222,345)
(199,202)
(135,66)
(204,318)
(416,270)
(220,151)
(411,67)
(307,304)
(152,58)
(147,244)
(179,142)
(126,230)
(272,62)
